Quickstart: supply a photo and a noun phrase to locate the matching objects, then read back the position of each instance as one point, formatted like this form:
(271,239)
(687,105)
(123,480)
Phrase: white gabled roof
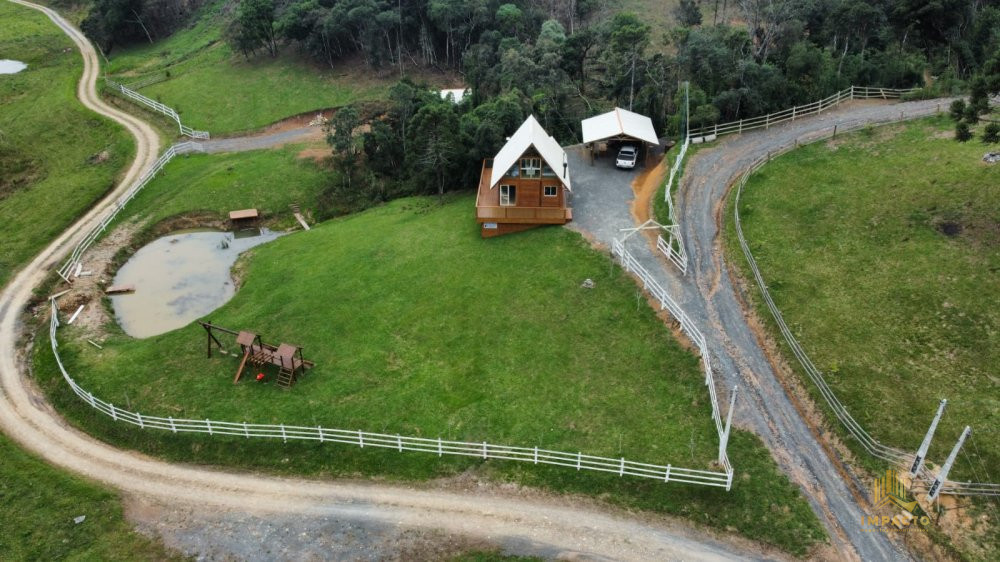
(529,134)
(619,122)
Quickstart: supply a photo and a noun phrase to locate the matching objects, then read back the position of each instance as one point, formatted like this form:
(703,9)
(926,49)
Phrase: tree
(510,19)
(991,133)
(115,22)
(962,132)
(688,13)
(434,145)
(253,27)
(957,110)
(627,40)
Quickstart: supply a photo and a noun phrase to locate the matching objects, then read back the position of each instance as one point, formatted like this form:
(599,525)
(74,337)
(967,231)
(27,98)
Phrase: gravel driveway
(601,202)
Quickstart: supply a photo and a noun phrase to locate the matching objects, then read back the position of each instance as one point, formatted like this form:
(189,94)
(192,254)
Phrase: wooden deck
(488,208)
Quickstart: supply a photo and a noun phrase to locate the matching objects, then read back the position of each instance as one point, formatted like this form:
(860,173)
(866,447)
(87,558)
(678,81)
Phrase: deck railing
(522,213)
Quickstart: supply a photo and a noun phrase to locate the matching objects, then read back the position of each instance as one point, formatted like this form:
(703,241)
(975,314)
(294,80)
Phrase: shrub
(991,134)
(971,114)
(962,132)
(957,110)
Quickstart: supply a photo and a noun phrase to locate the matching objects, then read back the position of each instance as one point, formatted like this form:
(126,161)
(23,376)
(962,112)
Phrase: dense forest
(564,60)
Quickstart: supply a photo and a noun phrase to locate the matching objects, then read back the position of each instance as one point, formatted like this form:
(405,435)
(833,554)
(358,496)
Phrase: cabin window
(514,171)
(508,195)
(531,167)
(548,172)
(551,190)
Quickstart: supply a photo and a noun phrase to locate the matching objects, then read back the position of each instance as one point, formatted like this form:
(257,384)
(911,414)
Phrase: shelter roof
(530,134)
(619,122)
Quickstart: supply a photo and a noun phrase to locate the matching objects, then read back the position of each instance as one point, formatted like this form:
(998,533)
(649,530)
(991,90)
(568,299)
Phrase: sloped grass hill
(419,327)
(216,89)
(882,250)
(39,503)
(56,157)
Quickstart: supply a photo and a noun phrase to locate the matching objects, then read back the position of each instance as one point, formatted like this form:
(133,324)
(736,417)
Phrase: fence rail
(711,132)
(632,265)
(440,447)
(66,270)
(869,443)
(158,107)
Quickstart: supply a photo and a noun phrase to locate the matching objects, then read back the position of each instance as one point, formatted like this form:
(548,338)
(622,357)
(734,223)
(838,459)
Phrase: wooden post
(834,131)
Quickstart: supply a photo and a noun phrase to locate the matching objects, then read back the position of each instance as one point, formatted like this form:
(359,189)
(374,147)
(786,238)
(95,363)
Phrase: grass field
(56,158)
(882,250)
(217,90)
(39,504)
(420,327)
(267,180)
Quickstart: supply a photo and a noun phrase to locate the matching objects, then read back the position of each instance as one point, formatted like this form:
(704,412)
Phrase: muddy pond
(8,66)
(179,278)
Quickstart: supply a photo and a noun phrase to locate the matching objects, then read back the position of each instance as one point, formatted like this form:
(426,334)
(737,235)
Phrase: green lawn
(39,504)
(419,327)
(852,237)
(268,180)
(56,158)
(220,91)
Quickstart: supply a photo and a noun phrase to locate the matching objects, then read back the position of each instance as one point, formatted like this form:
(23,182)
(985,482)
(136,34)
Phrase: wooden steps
(285,378)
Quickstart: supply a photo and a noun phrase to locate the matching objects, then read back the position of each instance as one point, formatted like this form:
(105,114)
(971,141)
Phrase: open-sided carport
(616,127)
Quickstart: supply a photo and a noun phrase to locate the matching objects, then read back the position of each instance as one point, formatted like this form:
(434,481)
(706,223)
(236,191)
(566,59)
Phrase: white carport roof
(529,134)
(619,122)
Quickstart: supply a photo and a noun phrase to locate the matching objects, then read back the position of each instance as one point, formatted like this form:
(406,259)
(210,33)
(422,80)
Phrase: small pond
(8,66)
(180,278)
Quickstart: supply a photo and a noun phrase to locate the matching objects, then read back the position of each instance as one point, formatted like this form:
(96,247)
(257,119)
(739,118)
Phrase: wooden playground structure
(287,357)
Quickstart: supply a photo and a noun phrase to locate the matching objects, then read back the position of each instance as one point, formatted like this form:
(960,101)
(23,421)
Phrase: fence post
(484,449)
(666,474)
(138,416)
(283,436)
(852,91)
(90,395)
(440,451)
(741,127)
(578,455)
(793,112)
(399,443)
(361,439)
(621,468)
(724,439)
(767,121)
(172,426)
(835,131)
(246,432)
(536,455)
(114,416)
(208,422)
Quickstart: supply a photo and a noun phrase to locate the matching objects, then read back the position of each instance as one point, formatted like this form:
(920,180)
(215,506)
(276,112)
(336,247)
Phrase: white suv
(626,157)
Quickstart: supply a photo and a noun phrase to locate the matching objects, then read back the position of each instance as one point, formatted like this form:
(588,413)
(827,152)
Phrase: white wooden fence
(869,443)
(440,447)
(650,284)
(676,255)
(158,107)
(711,132)
(66,270)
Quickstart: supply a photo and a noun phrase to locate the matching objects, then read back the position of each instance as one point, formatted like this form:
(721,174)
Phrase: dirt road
(708,294)
(518,522)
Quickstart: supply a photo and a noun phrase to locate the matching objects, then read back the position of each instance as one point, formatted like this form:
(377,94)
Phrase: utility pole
(687,110)
(935,488)
(918,461)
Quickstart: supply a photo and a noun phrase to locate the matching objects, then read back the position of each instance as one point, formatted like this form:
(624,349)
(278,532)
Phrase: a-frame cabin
(525,185)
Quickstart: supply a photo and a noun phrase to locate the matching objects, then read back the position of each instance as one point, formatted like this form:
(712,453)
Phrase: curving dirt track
(708,295)
(518,523)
